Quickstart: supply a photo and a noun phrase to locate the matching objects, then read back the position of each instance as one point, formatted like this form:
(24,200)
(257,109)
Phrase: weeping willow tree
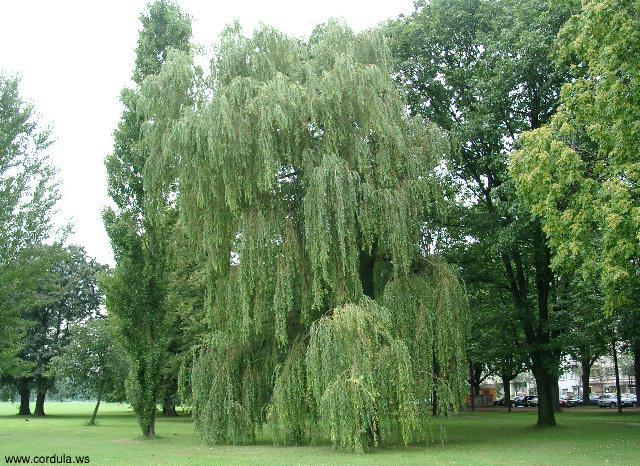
(306,187)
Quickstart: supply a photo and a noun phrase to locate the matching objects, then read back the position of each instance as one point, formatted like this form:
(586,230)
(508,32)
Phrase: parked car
(563,401)
(532,402)
(594,399)
(577,401)
(527,400)
(608,400)
(629,401)
(518,402)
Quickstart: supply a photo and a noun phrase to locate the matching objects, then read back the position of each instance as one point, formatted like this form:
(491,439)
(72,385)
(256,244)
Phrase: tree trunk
(40,397)
(586,375)
(168,406)
(25,395)
(556,396)
(367,278)
(92,421)
(434,392)
(472,387)
(636,364)
(506,386)
(615,365)
(149,432)
(544,382)
(374,436)
(535,327)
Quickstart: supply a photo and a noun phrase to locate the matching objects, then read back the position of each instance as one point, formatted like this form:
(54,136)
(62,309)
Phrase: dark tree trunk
(367,276)
(636,364)
(586,375)
(40,397)
(544,382)
(556,395)
(374,437)
(615,365)
(169,406)
(506,386)
(536,327)
(25,394)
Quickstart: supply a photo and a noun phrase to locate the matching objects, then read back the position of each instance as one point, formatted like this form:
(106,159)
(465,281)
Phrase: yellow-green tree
(580,173)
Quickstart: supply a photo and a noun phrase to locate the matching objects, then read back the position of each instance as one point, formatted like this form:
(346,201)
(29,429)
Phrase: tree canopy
(28,195)
(299,174)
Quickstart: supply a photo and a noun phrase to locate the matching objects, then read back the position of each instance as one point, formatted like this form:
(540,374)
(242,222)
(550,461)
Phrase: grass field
(584,437)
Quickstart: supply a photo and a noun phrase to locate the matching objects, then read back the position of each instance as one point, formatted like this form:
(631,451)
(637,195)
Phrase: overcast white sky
(75,56)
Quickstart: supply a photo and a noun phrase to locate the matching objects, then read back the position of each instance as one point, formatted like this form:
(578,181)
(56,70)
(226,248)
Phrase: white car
(608,400)
(629,400)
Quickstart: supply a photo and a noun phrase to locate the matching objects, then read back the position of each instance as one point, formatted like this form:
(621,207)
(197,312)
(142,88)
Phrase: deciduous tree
(482,69)
(92,363)
(307,186)
(140,233)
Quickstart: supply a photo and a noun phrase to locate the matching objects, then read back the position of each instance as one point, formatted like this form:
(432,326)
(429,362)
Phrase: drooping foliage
(306,186)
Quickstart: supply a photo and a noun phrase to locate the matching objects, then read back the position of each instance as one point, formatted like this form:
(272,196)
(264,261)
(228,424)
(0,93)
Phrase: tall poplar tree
(137,289)
(307,187)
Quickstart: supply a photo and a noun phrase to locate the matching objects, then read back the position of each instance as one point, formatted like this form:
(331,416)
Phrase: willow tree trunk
(40,397)
(367,278)
(615,365)
(506,387)
(472,388)
(25,395)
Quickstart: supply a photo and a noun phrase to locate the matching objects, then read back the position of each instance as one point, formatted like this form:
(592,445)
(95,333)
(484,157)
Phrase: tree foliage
(306,186)
(579,174)
(482,69)
(65,293)
(28,194)
(140,233)
(92,364)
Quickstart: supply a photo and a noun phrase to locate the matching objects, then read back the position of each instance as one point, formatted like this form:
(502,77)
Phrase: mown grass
(583,437)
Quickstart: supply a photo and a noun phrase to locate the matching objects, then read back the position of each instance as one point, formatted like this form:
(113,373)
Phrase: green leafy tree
(299,174)
(579,173)
(482,70)
(92,364)
(28,193)
(140,232)
(66,293)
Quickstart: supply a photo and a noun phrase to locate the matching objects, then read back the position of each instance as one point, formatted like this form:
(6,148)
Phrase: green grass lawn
(584,437)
